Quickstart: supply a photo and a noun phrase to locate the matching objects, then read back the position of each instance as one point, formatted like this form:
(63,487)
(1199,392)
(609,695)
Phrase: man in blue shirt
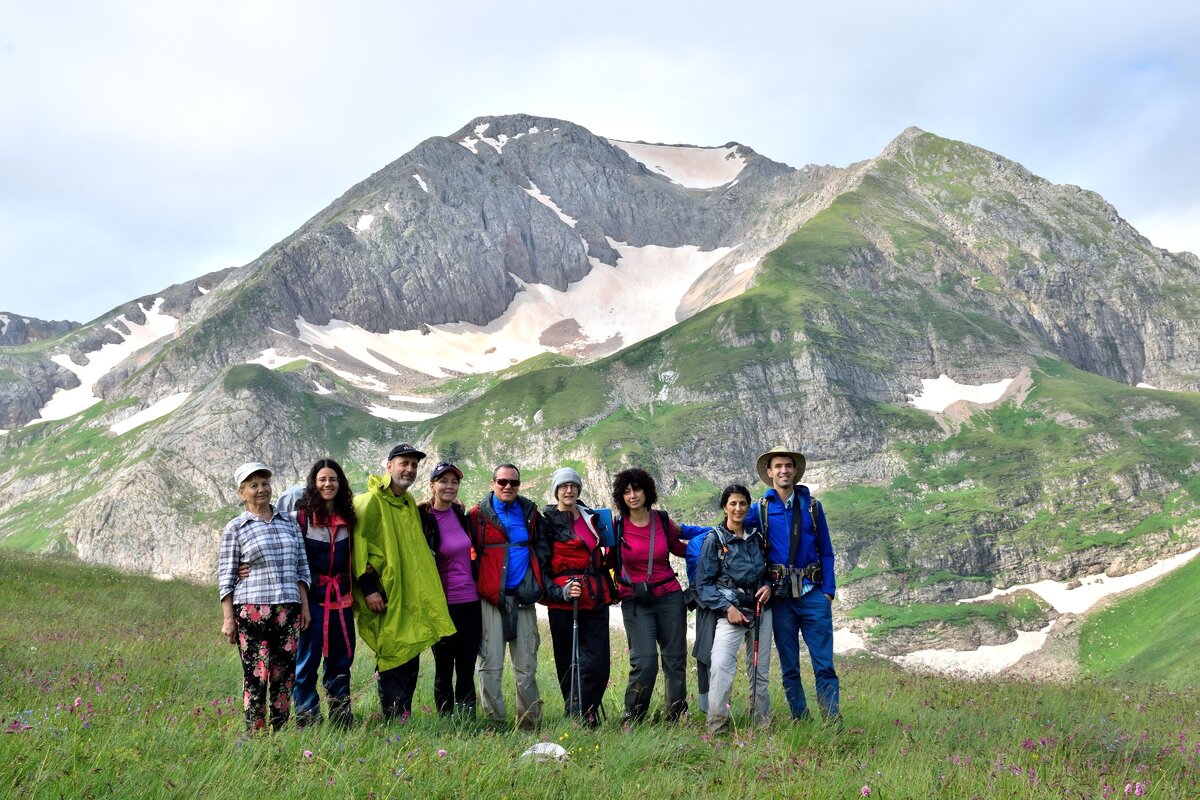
(800,560)
(505,530)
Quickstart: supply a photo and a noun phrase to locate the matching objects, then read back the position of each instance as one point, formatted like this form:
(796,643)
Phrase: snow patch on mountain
(150,413)
(273,359)
(939,394)
(1092,589)
(364,222)
(614,306)
(991,659)
(68,402)
(536,193)
(398,414)
(847,641)
(3,323)
(408,398)
(421,182)
(497,143)
(693,167)
(988,659)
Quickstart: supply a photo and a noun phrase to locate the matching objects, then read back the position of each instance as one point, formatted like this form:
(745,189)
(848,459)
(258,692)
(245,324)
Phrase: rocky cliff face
(17,330)
(824,300)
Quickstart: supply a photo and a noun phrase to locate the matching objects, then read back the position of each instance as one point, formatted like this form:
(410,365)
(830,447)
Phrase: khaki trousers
(490,667)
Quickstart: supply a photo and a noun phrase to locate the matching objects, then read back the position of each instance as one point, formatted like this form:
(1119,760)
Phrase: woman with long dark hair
(732,592)
(326,517)
(652,602)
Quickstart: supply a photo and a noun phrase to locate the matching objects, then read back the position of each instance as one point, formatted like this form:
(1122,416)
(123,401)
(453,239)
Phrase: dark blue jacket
(814,544)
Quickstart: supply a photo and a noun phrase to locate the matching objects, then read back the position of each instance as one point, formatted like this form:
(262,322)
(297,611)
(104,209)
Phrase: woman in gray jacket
(733,587)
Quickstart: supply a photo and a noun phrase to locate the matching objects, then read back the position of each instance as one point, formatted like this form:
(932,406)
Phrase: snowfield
(497,143)
(536,193)
(150,413)
(68,402)
(399,414)
(607,312)
(939,394)
(693,167)
(991,659)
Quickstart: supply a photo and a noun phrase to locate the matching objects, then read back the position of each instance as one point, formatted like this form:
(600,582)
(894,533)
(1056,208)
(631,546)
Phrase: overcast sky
(144,143)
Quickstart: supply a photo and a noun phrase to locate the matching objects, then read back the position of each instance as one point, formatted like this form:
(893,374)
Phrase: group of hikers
(299,581)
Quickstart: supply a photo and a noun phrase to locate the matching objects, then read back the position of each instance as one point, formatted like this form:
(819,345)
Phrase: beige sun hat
(765,459)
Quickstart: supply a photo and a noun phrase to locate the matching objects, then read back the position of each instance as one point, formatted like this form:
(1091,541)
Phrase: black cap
(442,468)
(405,450)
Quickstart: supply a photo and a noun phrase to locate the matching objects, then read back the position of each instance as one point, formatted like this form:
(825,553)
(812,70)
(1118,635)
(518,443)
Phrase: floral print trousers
(267,637)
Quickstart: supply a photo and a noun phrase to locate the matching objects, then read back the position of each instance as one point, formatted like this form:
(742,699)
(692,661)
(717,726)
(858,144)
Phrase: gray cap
(561,476)
(248,469)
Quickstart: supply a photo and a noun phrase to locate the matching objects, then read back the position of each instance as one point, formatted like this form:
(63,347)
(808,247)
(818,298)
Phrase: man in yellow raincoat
(398,598)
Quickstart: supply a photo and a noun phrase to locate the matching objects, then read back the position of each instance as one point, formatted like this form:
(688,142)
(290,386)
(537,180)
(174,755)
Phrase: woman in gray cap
(263,613)
(576,568)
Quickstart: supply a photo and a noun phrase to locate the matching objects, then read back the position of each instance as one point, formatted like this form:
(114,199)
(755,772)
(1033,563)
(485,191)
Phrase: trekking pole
(754,663)
(576,690)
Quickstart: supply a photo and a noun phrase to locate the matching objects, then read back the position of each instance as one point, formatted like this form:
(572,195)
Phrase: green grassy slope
(119,686)
(1152,635)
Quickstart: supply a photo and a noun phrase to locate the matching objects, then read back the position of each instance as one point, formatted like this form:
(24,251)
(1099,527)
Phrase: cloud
(153,143)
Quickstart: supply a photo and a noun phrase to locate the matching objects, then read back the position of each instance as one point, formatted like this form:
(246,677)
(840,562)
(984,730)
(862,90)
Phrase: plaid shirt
(275,552)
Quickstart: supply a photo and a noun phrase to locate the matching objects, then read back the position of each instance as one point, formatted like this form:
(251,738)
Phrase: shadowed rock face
(16,329)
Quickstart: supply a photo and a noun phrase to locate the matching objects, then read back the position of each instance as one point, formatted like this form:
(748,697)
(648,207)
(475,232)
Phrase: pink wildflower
(308,753)
(442,753)
(865,791)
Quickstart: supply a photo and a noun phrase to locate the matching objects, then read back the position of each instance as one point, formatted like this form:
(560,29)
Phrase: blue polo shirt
(513,519)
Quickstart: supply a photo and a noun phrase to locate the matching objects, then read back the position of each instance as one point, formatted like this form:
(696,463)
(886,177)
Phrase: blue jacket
(771,513)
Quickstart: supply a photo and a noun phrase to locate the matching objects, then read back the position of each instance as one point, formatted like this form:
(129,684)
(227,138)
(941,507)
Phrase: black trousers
(454,657)
(659,627)
(396,688)
(594,656)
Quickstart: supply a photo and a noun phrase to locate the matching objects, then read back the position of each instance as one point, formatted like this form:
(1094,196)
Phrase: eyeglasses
(504,483)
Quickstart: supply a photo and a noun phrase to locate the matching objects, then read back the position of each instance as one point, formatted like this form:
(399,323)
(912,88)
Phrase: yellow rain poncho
(389,537)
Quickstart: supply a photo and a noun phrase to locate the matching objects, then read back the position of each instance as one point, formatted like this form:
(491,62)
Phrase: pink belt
(333,599)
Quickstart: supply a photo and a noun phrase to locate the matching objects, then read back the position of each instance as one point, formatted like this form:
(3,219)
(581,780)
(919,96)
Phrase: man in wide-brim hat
(800,557)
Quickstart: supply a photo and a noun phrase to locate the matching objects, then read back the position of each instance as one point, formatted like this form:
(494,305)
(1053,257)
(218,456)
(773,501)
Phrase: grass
(1020,609)
(1152,635)
(116,685)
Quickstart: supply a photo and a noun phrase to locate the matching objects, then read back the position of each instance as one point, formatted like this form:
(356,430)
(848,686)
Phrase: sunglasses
(504,483)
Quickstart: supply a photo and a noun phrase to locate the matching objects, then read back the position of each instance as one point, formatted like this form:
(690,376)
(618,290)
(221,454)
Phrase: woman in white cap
(263,613)
(446,525)
(576,568)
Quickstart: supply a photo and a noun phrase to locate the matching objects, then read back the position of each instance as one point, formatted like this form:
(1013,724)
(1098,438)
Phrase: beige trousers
(490,667)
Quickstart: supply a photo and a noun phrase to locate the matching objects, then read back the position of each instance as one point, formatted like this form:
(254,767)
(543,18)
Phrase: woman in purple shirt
(454,656)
